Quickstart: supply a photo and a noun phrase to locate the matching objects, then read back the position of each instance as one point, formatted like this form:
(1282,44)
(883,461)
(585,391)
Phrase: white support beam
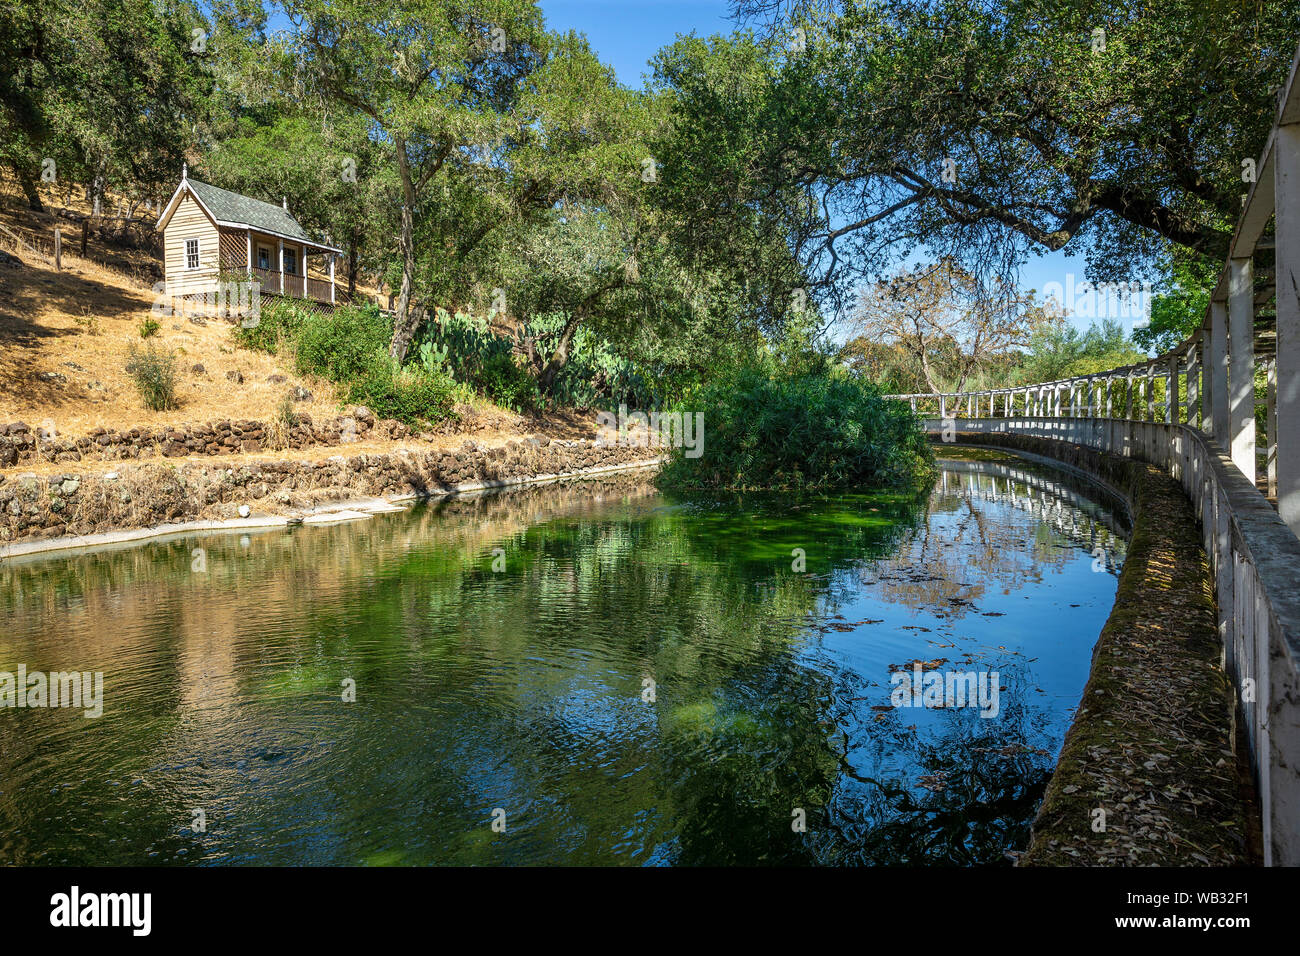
(1171,391)
(1271,427)
(1241,367)
(1287,171)
(1217,365)
(281,243)
(332,298)
(1207,384)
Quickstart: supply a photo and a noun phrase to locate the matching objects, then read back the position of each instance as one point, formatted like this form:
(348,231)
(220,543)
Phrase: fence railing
(1192,411)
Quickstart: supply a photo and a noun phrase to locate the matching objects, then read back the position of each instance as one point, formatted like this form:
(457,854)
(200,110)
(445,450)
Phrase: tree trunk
(924,359)
(29,187)
(561,354)
(404,328)
(352,268)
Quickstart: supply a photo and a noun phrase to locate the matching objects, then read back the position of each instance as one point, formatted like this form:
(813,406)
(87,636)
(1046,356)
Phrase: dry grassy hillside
(65,338)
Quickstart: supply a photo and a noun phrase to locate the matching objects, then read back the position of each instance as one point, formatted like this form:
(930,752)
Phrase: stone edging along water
(1149,773)
(77,511)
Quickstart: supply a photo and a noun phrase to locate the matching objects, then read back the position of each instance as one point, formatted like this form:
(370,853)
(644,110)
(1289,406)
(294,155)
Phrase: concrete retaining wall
(1255,562)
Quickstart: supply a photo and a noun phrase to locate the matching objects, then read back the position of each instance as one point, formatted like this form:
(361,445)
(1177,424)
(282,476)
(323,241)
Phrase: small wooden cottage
(210,232)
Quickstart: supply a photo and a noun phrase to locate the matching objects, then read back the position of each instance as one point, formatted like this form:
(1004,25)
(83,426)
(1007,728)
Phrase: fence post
(58,249)
(1241,368)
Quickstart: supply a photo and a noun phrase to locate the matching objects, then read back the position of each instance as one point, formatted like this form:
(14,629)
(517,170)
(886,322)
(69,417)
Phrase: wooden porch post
(332,295)
(281,248)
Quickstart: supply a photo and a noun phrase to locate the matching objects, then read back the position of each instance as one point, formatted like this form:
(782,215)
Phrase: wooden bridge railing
(1192,411)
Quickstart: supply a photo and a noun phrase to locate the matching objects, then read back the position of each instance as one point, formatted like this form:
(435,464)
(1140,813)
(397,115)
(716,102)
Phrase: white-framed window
(191,253)
(263,257)
(291,262)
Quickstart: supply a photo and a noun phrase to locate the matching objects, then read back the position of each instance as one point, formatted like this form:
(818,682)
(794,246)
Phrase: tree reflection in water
(523,689)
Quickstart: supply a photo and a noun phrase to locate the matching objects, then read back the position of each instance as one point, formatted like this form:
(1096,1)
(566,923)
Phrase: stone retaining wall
(34,507)
(20,443)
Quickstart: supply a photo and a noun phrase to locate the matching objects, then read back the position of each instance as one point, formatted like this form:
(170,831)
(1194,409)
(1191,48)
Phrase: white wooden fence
(1192,411)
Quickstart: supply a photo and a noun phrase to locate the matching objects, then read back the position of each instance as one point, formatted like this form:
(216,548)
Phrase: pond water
(640,679)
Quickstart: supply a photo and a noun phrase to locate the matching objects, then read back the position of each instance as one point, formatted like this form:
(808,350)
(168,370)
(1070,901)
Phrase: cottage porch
(281,265)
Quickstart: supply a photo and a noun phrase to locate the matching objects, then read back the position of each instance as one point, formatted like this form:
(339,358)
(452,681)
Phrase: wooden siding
(189,222)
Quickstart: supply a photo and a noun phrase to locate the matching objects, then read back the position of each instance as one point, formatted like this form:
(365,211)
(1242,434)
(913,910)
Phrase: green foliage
(279,322)
(412,395)
(154,373)
(109,90)
(508,384)
(149,328)
(595,372)
(814,429)
(1059,350)
(1179,309)
(888,133)
(341,346)
(464,342)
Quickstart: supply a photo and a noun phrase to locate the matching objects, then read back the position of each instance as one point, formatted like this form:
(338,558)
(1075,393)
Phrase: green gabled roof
(232,207)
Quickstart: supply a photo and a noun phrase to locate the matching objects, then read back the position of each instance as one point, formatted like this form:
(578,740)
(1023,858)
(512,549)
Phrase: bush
(278,322)
(148,328)
(154,372)
(506,383)
(341,346)
(410,395)
(813,429)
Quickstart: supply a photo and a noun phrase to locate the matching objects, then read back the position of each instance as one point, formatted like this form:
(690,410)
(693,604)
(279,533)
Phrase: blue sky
(627,33)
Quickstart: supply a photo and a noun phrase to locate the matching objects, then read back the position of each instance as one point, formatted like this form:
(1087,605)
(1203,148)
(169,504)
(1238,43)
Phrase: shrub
(148,328)
(154,372)
(87,321)
(280,427)
(812,429)
(277,322)
(506,383)
(341,346)
(410,395)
